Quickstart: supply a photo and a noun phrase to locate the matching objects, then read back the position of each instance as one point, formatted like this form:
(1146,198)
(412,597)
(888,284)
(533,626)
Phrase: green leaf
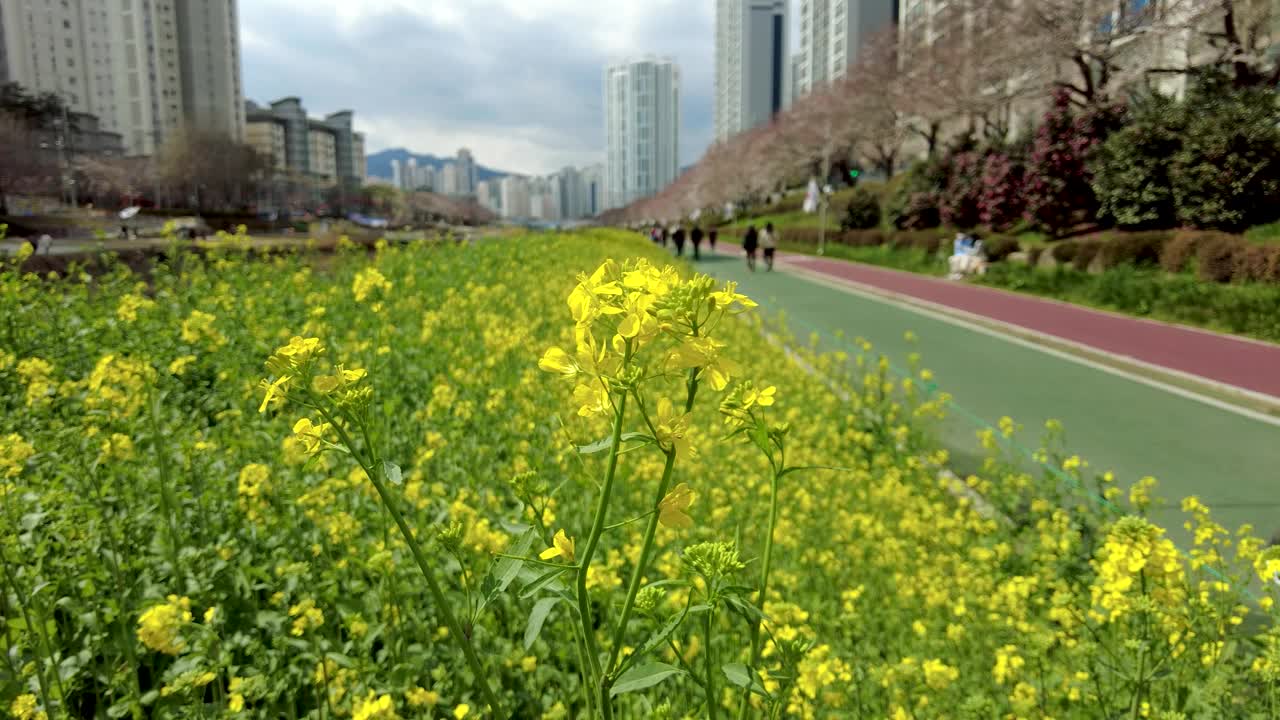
(391,472)
(642,677)
(503,572)
(536,618)
(603,444)
(742,676)
(541,582)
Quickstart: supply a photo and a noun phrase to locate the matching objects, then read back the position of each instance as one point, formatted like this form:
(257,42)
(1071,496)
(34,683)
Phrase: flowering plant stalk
(342,402)
(636,327)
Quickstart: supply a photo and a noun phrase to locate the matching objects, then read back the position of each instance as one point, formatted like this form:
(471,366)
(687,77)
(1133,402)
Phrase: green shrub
(1000,247)
(1216,258)
(1065,252)
(862,212)
(1140,249)
(1256,263)
(1177,253)
(913,203)
(1227,173)
(1086,251)
(1131,169)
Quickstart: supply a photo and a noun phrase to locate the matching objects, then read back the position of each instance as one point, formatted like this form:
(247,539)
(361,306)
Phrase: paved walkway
(1115,421)
(1242,363)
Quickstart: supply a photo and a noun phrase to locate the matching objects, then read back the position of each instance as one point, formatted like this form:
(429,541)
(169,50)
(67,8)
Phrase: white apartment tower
(833,34)
(751,63)
(467,179)
(642,128)
(146,68)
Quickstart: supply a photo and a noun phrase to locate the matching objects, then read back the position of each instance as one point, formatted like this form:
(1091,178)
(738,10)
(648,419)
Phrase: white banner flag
(811,197)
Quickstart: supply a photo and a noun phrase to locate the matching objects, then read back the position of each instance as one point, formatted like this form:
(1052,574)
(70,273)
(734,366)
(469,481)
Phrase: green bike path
(1230,460)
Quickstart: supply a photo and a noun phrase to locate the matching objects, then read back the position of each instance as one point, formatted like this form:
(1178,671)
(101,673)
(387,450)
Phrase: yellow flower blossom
(562,546)
(672,509)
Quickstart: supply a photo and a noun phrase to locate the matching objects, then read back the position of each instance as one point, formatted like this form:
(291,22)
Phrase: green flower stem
(646,548)
(167,503)
(40,636)
(757,644)
(713,705)
(593,539)
(437,595)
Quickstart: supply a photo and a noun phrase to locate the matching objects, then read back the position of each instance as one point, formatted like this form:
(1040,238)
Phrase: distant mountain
(379,164)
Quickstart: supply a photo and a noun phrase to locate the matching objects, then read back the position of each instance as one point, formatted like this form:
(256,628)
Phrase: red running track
(1247,364)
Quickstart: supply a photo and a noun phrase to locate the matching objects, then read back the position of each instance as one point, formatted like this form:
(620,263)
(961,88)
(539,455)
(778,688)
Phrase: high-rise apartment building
(642,128)
(448,177)
(833,34)
(466,173)
(514,191)
(592,190)
(209,48)
(145,68)
(751,63)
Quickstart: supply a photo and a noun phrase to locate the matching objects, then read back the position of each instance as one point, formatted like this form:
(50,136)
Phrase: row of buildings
(455,178)
(134,74)
(756,77)
(569,194)
(145,69)
(756,74)
(306,154)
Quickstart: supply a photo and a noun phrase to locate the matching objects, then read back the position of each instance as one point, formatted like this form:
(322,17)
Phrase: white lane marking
(950,316)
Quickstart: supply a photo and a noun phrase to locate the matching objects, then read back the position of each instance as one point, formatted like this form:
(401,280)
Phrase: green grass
(783,221)
(1233,308)
(1268,234)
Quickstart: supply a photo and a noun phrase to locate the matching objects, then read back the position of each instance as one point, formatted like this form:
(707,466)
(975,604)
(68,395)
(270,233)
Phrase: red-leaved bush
(1001,203)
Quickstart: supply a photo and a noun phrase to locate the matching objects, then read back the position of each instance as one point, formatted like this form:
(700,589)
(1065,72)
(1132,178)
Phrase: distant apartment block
(833,34)
(145,68)
(751,63)
(326,152)
(642,128)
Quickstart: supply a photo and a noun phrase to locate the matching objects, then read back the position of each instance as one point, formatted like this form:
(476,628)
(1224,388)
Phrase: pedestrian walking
(696,237)
(750,242)
(665,234)
(711,238)
(769,242)
(678,238)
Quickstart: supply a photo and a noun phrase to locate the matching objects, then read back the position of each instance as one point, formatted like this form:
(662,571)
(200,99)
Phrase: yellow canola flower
(341,378)
(311,435)
(672,429)
(590,299)
(592,399)
(14,453)
(421,697)
(375,707)
(24,707)
(555,360)
(368,282)
(562,546)
(306,617)
(159,628)
(672,508)
(461,711)
(704,353)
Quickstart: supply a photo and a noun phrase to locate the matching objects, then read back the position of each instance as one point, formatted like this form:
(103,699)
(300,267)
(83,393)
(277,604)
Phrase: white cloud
(518,81)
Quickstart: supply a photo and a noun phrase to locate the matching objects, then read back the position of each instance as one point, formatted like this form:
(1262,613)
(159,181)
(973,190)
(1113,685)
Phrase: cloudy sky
(517,81)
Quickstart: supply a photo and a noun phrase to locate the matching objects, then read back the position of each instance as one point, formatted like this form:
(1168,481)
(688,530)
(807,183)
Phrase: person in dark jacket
(711,238)
(678,238)
(750,242)
(696,237)
(665,234)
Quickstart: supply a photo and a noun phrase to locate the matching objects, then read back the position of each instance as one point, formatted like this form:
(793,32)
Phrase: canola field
(552,476)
